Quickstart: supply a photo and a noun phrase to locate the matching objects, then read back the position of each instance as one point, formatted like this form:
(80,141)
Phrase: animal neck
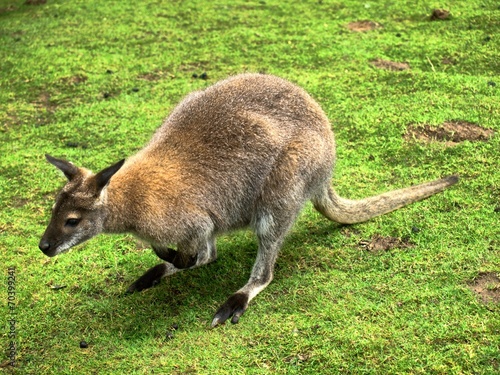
(118,210)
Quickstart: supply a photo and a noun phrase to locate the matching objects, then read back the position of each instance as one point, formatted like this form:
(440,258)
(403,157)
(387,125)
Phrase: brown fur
(247,151)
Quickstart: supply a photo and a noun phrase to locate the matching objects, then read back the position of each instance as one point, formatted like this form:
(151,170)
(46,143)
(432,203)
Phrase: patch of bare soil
(378,243)
(486,287)
(19,202)
(390,65)
(448,61)
(45,109)
(152,76)
(43,101)
(155,75)
(362,26)
(450,132)
(440,14)
(74,80)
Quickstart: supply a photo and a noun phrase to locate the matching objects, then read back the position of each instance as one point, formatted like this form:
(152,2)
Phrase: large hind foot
(234,307)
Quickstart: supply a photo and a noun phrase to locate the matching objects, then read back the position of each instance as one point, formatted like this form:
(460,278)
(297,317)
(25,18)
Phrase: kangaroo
(248,151)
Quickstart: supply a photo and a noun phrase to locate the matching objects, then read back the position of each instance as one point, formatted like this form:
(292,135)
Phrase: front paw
(150,278)
(234,307)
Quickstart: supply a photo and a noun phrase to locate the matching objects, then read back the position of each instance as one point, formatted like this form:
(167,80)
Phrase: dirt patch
(155,75)
(149,77)
(440,14)
(43,101)
(363,26)
(19,202)
(448,61)
(390,65)
(486,286)
(378,243)
(74,80)
(450,132)
(45,109)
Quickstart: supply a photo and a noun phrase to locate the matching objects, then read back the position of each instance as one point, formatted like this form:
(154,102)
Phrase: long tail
(347,211)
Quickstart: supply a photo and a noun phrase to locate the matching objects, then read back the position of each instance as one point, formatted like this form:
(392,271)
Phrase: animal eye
(72,222)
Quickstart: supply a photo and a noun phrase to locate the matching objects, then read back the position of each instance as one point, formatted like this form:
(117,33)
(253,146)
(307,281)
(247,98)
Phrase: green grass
(91,80)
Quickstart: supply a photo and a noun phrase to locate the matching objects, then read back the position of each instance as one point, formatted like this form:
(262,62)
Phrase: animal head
(79,211)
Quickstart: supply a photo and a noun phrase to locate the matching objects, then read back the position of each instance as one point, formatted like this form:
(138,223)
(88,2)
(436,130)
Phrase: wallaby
(249,151)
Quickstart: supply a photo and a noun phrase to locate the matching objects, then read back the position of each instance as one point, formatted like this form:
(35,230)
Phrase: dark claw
(151,278)
(234,307)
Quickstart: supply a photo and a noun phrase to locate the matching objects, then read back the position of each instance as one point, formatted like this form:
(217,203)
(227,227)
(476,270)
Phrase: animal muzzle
(47,248)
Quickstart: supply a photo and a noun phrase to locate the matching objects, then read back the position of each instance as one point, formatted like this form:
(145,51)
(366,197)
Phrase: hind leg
(293,181)
(189,255)
(271,231)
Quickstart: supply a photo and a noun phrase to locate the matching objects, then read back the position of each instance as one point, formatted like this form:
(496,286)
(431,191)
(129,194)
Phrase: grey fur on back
(221,146)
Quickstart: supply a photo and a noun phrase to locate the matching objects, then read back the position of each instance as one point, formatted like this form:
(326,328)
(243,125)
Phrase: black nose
(44,245)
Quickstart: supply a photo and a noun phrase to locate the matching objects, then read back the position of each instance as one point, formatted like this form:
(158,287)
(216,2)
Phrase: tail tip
(451,180)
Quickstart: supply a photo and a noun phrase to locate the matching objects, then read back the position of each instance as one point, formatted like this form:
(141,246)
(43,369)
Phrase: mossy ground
(91,80)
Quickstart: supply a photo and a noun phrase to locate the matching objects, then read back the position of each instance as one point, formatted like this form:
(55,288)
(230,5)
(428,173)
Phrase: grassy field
(412,292)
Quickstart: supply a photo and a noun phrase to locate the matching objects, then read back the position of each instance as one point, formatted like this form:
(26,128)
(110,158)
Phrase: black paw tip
(233,308)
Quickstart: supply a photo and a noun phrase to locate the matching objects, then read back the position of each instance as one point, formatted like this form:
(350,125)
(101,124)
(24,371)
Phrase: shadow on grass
(190,298)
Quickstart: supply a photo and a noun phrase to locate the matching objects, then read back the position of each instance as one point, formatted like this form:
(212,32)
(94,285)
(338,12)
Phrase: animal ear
(102,178)
(69,169)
